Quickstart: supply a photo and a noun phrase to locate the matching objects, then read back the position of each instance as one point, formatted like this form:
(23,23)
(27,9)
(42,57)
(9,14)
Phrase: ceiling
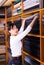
(6,2)
(2,2)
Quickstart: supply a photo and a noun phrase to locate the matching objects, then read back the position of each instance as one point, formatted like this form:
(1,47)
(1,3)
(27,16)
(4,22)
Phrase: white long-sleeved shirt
(16,43)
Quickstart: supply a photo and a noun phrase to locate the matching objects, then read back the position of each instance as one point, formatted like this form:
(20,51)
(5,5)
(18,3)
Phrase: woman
(16,43)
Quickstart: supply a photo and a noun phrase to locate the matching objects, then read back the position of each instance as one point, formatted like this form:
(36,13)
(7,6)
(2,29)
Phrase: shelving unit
(41,60)
(2,37)
(35,37)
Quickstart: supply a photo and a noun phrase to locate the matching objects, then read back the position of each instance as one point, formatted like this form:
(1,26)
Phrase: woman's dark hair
(17,23)
(9,25)
(13,25)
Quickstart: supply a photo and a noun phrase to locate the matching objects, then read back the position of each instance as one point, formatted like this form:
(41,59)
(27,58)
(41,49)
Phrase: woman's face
(15,30)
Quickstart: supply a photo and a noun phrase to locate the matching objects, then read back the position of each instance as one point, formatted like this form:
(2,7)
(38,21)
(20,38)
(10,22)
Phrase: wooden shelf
(42,36)
(1,29)
(2,53)
(33,35)
(3,64)
(2,18)
(16,17)
(9,19)
(20,15)
(32,57)
(23,14)
(34,11)
(42,9)
(2,42)
(2,60)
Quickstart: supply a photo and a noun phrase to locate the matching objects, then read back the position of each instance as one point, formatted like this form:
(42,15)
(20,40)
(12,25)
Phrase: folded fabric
(30,61)
(32,8)
(32,3)
(30,17)
(27,59)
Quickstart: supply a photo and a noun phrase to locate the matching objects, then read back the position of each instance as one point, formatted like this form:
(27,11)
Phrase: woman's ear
(9,31)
